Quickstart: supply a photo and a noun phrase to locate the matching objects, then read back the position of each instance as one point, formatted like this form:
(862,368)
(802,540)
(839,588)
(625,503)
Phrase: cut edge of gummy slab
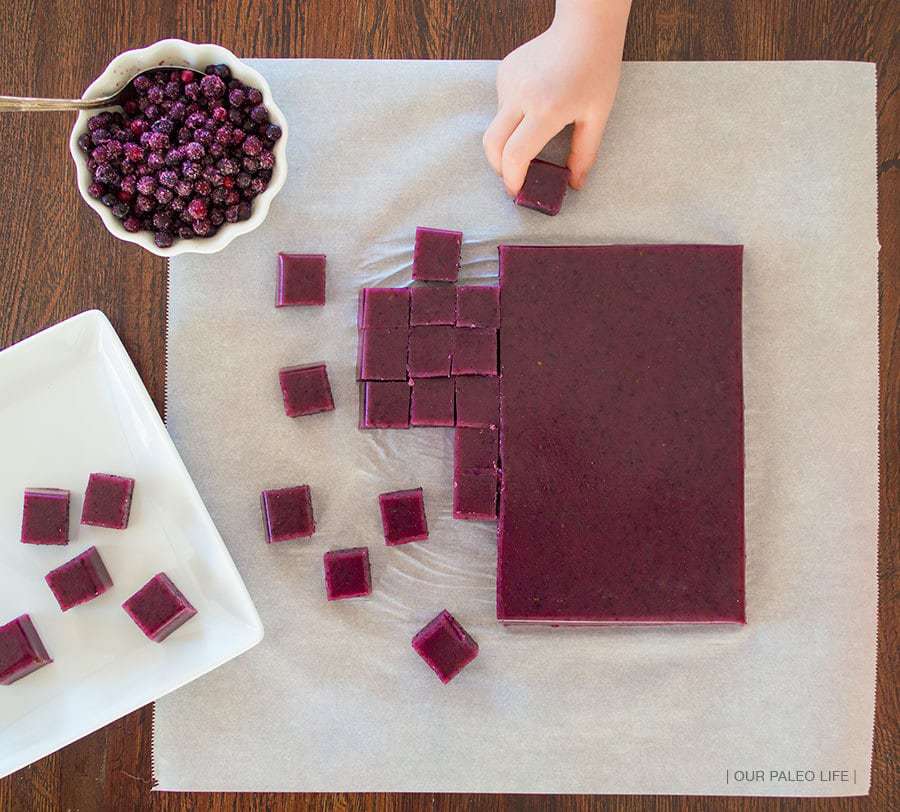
(39,657)
(716,271)
(365,422)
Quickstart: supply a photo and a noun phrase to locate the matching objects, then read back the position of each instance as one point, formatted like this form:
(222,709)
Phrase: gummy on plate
(159,608)
(80,580)
(107,501)
(21,650)
(45,516)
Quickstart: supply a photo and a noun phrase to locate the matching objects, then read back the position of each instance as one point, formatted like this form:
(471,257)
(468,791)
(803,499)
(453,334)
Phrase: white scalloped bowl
(179,53)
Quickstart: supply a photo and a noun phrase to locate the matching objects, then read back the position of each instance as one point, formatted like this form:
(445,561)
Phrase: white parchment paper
(779,157)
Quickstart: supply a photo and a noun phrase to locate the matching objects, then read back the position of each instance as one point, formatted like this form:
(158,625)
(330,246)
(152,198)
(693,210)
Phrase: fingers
(497,133)
(527,140)
(586,138)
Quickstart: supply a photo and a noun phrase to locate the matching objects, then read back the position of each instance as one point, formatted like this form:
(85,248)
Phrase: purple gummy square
(436,255)
(382,355)
(347,574)
(432,304)
(383,308)
(445,646)
(158,608)
(80,580)
(475,495)
(475,450)
(45,516)
(301,280)
(288,513)
(432,402)
(475,351)
(430,352)
(305,390)
(107,501)
(385,405)
(403,517)
(477,402)
(477,306)
(544,187)
(21,650)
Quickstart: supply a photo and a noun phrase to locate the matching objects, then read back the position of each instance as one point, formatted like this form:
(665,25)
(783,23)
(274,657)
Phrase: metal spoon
(24,103)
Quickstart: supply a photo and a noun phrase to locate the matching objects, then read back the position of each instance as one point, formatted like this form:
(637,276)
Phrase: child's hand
(567,74)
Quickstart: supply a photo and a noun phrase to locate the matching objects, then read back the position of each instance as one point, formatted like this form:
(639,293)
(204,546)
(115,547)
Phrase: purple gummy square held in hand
(475,495)
(107,501)
(403,517)
(45,516)
(445,646)
(21,650)
(301,280)
(347,573)
(385,405)
(430,352)
(383,308)
(544,187)
(432,402)
(383,355)
(477,306)
(477,401)
(305,390)
(474,351)
(80,580)
(158,608)
(475,450)
(436,255)
(288,513)
(432,304)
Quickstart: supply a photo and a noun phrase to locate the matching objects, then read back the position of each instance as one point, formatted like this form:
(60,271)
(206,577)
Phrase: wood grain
(58,260)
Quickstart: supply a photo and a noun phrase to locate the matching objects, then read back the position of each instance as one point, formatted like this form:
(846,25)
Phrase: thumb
(586,138)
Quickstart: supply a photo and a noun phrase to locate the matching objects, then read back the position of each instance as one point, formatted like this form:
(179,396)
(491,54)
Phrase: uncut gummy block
(385,405)
(383,355)
(301,280)
(80,580)
(305,390)
(474,351)
(403,517)
(436,255)
(347,573)
(445,646)
(430,352)
(288,513)
(21,650)
(432,402)
(544,187)
(475,495)
(622,493)
(477,306)
(475,450)
(477,401)
(107,501)
(158,608)
(383,308)
(432,304)
(45,516)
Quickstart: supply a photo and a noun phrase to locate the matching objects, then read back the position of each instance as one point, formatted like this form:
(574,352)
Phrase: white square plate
(71,402)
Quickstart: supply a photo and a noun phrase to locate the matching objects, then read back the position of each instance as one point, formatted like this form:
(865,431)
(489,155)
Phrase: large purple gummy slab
(474,351)
(544,187)
(301,280)
(445,646)
(347,573)
(403,516)
(107,501)
(477,402)
(432,402)
(621,435)
(80,580)
(432,304)
(21,650)
(288,513)
(383,308)
(436,255)
(430,351)
(383,355)
(45,516)
(477,306)
(158,608)
(385,405)
(305,390)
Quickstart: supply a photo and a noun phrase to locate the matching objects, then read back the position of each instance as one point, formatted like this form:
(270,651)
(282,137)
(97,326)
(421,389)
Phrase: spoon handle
(8,103)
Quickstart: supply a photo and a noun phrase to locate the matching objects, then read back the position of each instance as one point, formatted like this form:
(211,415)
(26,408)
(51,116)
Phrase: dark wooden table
(58,260)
